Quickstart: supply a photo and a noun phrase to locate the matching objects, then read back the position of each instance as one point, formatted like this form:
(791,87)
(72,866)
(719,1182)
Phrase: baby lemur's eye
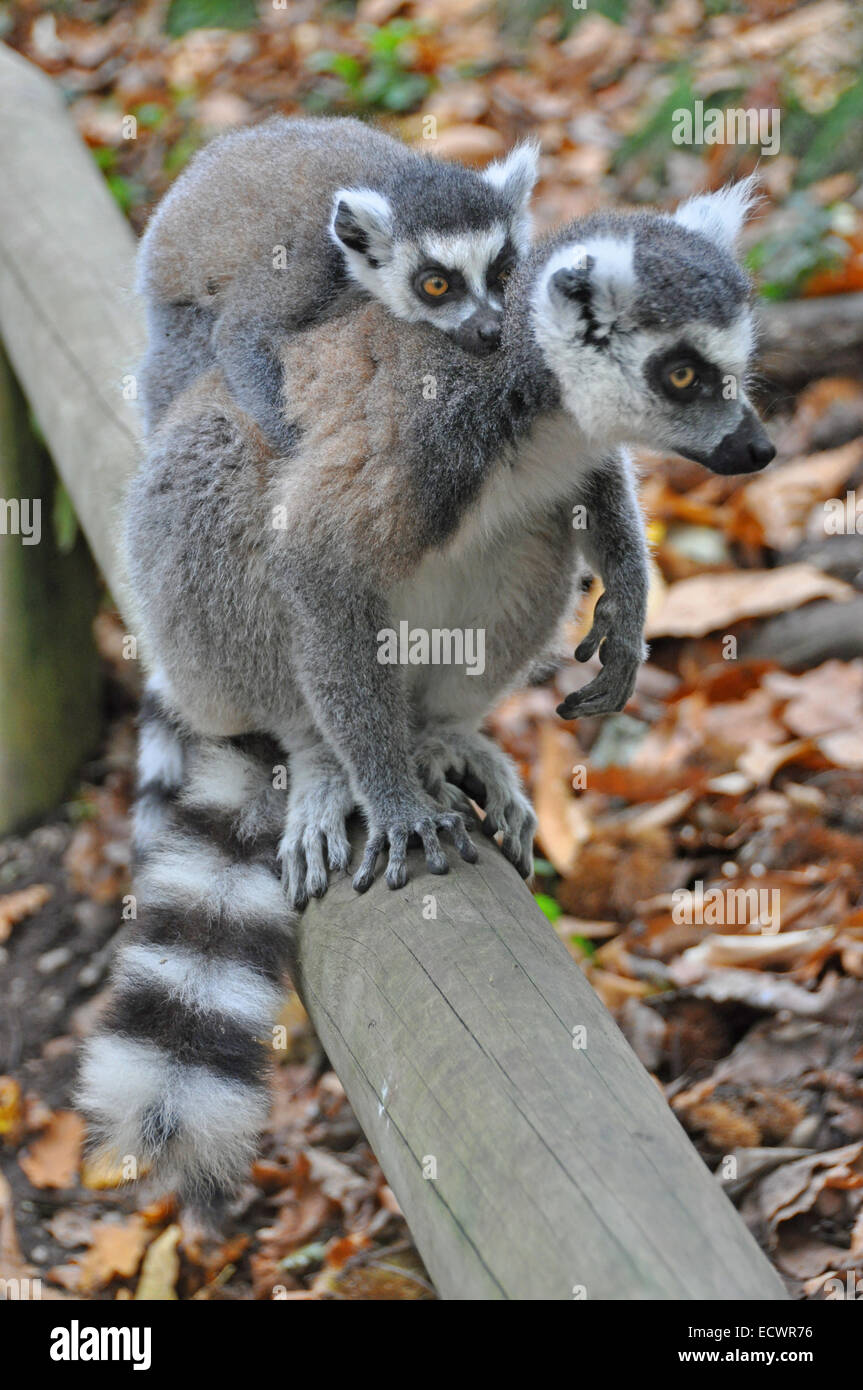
(682,378)
(435,285)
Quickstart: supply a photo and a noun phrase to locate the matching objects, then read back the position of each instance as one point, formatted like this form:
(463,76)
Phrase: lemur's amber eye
(504,275)
(682,377)
(435,285)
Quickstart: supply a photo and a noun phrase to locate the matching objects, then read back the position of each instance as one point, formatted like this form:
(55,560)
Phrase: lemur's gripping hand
(452,762)
(621,652)
(315,836)
(418,818)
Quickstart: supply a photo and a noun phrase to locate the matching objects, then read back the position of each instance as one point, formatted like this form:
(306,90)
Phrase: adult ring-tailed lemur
(269,562)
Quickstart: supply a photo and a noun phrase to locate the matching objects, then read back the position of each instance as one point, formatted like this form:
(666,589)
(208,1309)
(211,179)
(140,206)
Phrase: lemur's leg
(361,709)
(315,835)
(176,1076)
(247,354)
(614,544)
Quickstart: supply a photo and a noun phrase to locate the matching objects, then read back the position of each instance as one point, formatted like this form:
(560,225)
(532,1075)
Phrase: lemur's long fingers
(462,841)
(338,846)
(365,875)
(454,799)
(590,645)
(397,868)
(294,874)
(436,860)
(316,869)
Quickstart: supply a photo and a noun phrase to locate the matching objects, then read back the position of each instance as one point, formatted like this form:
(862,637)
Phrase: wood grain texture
(69,318)
(557,1165)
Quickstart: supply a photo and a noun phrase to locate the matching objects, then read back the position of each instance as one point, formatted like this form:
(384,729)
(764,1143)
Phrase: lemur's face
(444,257)
(646,322)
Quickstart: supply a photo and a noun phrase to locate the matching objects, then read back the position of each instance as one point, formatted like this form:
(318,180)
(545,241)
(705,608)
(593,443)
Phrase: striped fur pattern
(175,1078)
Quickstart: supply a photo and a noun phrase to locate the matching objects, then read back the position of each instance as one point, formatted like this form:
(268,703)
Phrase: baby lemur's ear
(514,177)
(589,288)
(721,215)
(363,222)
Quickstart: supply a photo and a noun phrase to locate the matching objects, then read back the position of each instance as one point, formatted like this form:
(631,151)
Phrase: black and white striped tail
(175,1078)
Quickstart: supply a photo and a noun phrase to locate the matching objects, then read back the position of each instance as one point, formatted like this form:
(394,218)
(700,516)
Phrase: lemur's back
(253,190)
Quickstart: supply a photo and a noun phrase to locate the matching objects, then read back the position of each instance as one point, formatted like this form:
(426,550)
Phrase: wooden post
(49,673)
(533,1156)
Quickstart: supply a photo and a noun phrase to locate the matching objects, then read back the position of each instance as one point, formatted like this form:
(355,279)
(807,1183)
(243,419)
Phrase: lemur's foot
(472,763)
(315,836)
(420,819)
(621,654)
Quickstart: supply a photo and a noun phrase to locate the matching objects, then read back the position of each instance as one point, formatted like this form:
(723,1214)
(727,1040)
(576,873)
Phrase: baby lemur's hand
(621,652)
(395,824)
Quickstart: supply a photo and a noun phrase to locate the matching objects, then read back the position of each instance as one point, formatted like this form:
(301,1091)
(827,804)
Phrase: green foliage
(549,906)
(179,154)
(184,15)
(64,521)
(127,193)
(825,142)
(804,243)
(519,16)
(381,77)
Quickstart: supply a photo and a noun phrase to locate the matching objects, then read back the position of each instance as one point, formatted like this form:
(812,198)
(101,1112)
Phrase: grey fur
(389,495)
(450,509)
(208,261)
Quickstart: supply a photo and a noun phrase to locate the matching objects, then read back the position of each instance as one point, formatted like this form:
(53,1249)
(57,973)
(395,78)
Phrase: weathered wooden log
(809,635)
(70,322)
(802,339)
(532,1155)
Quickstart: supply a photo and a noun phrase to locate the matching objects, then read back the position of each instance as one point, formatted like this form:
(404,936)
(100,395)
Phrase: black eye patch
(456,286)
(682,359)
(502,264)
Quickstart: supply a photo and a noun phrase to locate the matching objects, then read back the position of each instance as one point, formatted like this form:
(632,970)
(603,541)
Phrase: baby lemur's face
(646,322)
(440,248)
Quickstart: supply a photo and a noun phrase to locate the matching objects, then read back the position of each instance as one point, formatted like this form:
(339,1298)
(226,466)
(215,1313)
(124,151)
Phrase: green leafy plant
(804,244)
(382,76)
(184,15)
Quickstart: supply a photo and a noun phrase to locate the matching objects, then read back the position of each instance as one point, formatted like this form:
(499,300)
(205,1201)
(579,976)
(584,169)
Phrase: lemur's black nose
(480,333)
(761,451)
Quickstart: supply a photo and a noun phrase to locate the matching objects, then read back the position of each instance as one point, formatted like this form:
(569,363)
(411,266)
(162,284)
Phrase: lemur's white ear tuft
(515,175)
(362,221)
(721,215)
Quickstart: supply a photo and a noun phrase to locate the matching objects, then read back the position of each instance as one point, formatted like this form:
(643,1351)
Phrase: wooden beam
(533,1156)
(70,322)
(472,1048)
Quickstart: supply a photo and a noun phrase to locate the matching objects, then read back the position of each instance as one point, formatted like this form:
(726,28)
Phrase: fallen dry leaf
(161,1268)
(54,1159)
(14,907)
(714,602)
(787,948)
(781,499)
(115,1252)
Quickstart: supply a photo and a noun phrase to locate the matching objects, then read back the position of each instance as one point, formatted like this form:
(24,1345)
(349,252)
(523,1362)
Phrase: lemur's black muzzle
(480,334)
(745,450)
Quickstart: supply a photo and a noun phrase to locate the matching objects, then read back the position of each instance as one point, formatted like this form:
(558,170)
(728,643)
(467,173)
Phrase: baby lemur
(276,227)
(425,490)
